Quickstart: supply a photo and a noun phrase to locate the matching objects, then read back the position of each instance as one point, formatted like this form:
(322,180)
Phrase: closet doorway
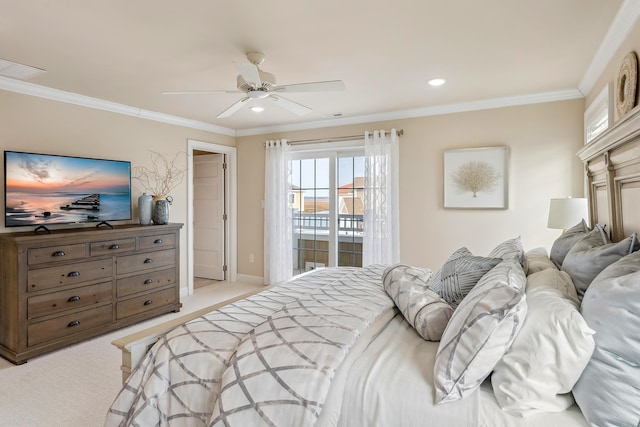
(211,215)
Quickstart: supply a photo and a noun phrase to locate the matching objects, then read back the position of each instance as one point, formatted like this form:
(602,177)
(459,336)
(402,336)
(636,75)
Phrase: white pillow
(550,352)
(511,248)
(480,331)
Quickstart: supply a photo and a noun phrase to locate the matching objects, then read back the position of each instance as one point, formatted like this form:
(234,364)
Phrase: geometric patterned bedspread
(267,360)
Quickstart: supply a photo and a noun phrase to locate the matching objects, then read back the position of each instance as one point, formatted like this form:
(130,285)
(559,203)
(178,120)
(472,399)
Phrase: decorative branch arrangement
(162,176)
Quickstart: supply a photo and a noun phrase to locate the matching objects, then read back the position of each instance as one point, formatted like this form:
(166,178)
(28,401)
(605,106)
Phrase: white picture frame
(476,178)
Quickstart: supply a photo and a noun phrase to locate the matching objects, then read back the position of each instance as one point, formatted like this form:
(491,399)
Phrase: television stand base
(104,223)
(42,227)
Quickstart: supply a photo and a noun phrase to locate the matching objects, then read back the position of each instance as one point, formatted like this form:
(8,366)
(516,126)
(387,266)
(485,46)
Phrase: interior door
(208,216)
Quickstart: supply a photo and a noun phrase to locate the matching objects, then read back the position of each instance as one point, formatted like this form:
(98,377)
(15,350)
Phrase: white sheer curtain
(278,258)
(381,241)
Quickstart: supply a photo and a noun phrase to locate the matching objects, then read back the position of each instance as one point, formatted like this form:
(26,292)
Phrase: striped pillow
(459,274)
(480,331)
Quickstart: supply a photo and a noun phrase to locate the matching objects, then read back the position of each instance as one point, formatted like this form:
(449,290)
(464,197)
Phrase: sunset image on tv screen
(43,189)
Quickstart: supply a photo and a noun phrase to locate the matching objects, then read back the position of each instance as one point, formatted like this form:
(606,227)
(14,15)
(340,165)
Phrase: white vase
(144,209)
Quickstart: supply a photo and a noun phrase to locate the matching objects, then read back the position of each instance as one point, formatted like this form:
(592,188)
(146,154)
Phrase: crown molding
(622,24)
(31,89)
(486,104)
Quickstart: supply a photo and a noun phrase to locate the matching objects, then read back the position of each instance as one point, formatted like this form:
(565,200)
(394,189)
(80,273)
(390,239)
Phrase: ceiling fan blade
(249,73)
(191,92)
(288,104)
(312,87)
(235,107)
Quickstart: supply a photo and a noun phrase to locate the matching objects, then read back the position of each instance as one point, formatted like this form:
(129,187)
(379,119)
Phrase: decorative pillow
(420,306)
(480,331)
(511,248)
(607,391)
(550,352)
(553,279)
(565,242)
(592,254)
(459,274)
(538,260)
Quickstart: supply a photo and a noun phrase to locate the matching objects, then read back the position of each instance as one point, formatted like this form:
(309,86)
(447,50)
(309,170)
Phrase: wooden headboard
(612,163)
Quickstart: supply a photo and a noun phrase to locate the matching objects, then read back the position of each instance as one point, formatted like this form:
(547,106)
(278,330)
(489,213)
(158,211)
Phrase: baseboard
(249,279)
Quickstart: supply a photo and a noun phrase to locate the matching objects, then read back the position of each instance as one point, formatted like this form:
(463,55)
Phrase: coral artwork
(476,176)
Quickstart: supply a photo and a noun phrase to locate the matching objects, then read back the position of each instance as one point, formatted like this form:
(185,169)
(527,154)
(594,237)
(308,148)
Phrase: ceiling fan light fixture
(436,82)
(257,94)
(257,109)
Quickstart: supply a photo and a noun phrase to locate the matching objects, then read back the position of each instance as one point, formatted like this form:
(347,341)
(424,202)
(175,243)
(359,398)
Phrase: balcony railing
(309,222)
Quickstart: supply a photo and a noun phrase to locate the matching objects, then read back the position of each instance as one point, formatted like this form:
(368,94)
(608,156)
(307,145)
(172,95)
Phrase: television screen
(44,189)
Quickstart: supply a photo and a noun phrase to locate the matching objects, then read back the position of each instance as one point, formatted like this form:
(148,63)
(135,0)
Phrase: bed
(512,338)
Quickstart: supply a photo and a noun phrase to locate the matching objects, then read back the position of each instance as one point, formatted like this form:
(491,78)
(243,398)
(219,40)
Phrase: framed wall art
(476,178)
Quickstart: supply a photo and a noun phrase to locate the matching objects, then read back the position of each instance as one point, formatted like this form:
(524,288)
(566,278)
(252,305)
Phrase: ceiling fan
(258,84)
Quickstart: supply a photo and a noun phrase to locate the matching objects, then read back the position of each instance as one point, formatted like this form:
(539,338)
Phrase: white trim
(26,88)
(461,107)
(619,29)
(245,278)
(231,200)
(86,101)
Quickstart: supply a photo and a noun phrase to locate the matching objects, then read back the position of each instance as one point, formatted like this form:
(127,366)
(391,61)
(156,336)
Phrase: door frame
(231,202)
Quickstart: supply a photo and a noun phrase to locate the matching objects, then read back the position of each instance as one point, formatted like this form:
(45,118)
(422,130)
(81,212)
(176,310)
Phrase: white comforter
(266,360)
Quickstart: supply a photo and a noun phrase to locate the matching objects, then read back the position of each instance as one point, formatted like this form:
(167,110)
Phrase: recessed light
(436,82)
(257,109)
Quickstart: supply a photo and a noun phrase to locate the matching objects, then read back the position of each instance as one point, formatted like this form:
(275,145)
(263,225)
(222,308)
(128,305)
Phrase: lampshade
(567,212)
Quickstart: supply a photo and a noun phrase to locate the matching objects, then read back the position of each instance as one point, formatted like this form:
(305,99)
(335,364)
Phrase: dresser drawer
(62,275)
(72,298)
(70,324)
(59,253)
(145,282)
(140,262)
(109,247)
(160,241)
(143,303)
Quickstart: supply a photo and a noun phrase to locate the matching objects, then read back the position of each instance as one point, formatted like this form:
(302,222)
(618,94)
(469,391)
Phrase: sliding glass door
(326,202)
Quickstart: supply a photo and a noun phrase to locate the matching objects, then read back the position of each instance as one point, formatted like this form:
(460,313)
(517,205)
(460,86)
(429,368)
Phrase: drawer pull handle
(114,246)
(158,241)
(74,298)
(74,323)
(148,261)
(148,302)
(58,253)
(73,274)
(148,282)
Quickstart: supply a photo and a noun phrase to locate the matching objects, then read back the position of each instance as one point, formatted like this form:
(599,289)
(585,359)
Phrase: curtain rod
(399,132)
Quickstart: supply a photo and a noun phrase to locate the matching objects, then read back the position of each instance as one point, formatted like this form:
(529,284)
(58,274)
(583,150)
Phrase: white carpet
(76,385)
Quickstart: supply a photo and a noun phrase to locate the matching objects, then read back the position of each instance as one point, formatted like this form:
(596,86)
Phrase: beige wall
(543,140)
(610,74)
(34,124)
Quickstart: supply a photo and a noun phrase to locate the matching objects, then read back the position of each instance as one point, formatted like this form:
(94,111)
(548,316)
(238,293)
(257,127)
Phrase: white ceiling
(129,51)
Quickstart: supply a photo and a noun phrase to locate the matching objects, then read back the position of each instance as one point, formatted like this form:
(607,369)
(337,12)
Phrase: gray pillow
(459,274)
(421,307)
(565,242)
(607,391)
(592,254)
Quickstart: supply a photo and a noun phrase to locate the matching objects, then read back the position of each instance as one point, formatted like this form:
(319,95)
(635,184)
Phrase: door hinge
(224,268)
(224,217)
(224,166)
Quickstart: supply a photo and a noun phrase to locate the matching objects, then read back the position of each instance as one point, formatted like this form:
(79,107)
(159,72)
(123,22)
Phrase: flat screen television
(46,189)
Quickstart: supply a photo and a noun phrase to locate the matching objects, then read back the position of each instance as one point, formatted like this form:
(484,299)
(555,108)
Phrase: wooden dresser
(60,288)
